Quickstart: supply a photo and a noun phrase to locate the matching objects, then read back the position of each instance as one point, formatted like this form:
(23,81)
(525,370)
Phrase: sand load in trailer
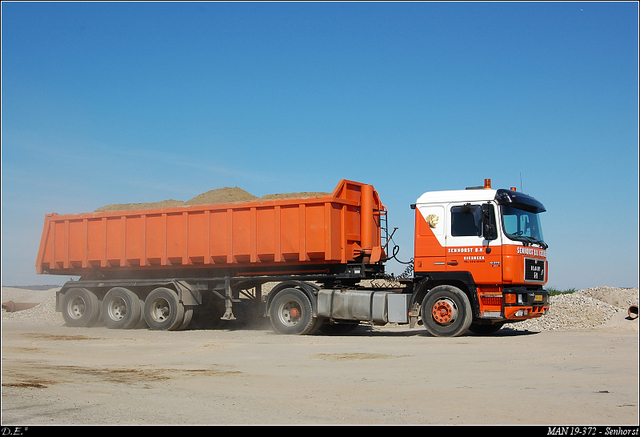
(253,237)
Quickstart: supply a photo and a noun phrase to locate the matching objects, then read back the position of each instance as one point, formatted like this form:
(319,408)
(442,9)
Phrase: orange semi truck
(479,262)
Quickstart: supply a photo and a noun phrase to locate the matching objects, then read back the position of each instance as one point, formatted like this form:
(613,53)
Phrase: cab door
(471,246)
(429,243)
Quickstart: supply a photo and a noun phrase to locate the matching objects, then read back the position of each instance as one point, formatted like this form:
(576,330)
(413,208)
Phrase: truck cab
(489,245)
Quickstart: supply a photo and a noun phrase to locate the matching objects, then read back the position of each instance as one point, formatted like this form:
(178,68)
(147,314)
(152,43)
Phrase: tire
(446,311)
(188,315)
(163,311)
(121,309)
(485,329)
(80,307)
(291,313)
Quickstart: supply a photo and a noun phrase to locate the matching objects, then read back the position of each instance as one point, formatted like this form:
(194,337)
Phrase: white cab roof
(475,195)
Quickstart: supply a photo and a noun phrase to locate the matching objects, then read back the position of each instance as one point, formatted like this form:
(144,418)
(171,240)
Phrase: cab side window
(466,221)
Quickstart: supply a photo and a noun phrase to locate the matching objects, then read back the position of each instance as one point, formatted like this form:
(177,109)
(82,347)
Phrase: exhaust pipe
(633,312)
(12,306)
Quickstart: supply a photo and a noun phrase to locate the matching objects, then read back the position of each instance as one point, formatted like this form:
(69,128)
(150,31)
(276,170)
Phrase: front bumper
(522,304)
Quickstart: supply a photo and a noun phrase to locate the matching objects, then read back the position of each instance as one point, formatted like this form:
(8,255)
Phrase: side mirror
(489,230)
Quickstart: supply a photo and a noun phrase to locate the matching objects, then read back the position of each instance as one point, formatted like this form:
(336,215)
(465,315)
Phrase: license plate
(534,269)
(538,298)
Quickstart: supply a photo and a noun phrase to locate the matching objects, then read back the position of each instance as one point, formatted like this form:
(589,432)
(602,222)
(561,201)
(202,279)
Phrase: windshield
(522,225)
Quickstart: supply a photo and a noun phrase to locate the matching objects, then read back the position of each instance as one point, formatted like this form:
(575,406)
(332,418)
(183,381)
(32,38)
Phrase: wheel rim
(77,307)
(117,309)
(444,311)
(160,310)
(290,313)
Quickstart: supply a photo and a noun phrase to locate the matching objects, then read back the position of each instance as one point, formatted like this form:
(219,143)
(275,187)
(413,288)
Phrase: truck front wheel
(291,313)
(446,311)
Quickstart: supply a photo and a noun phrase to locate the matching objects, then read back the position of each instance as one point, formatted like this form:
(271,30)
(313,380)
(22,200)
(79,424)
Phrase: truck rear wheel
(163,311)
(80,307)
(121,309)
(446,311)
(291,313)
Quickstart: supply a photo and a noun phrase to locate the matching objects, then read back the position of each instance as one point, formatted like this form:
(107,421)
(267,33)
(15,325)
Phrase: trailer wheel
(188,316)
(121,309)
(163,311)
(80,307)
(291,313)
(446,311)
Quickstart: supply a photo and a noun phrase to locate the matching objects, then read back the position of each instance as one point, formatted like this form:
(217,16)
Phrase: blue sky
(140,102)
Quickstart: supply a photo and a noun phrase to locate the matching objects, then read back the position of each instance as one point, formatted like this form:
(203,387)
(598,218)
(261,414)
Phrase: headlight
(521,313)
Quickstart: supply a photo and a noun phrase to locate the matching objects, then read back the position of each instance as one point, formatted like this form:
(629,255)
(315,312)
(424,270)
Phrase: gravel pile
(44,313)
(584,309)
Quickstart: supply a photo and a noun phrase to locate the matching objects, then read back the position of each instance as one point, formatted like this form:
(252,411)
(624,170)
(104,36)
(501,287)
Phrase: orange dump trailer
(173,267)
(319,233)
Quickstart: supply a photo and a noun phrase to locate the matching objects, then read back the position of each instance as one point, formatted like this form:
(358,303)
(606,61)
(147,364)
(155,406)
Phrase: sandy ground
(52,374)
